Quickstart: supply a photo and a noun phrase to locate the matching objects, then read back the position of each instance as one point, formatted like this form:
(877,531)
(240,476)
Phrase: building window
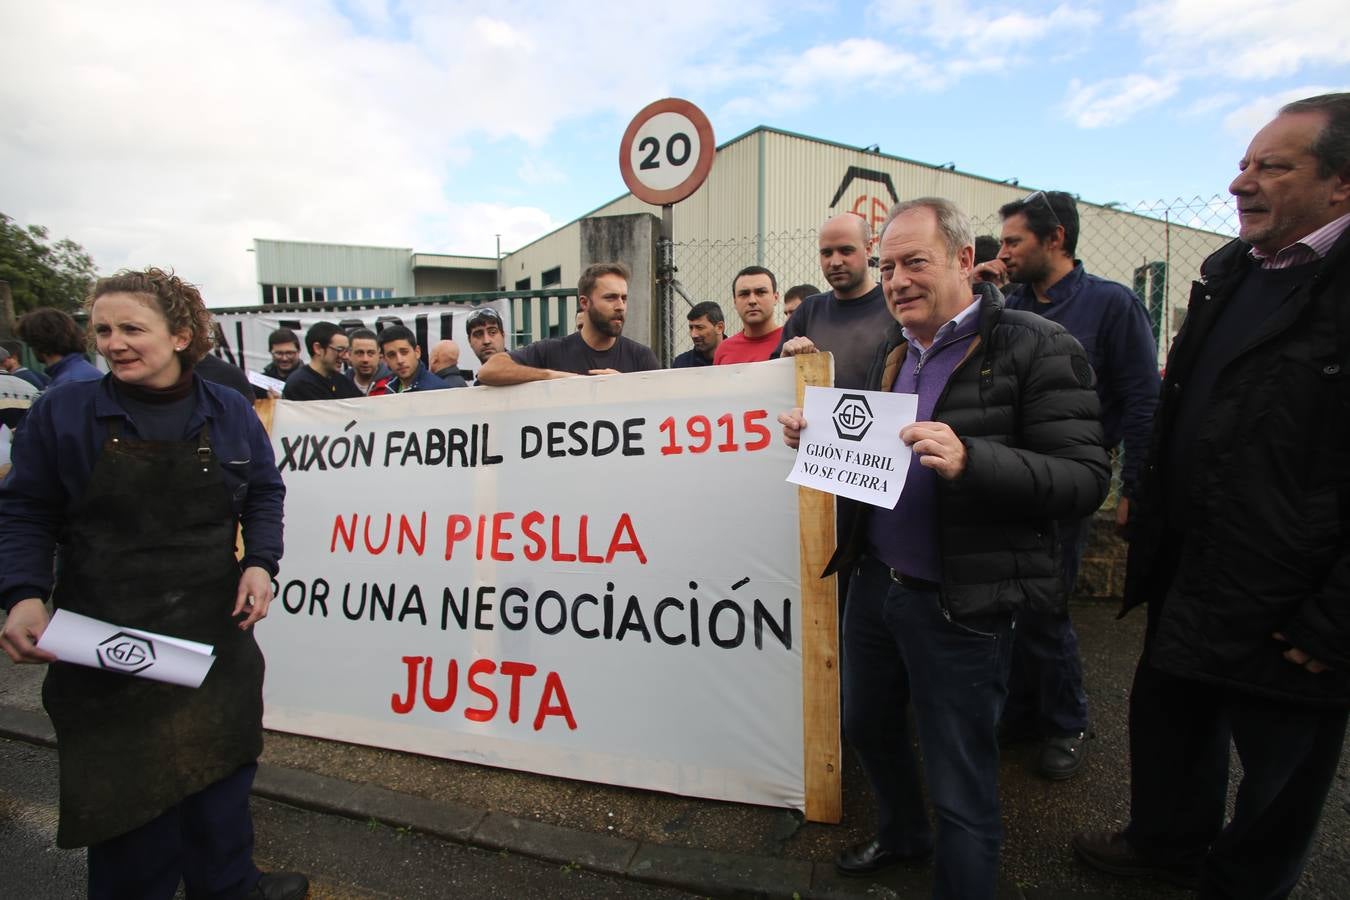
(284,293)
(552,277)
(523,284)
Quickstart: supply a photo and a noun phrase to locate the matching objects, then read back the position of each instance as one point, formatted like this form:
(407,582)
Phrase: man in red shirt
(754,290)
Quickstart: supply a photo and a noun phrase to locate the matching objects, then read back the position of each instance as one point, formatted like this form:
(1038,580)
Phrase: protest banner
(597,578)
(242,339)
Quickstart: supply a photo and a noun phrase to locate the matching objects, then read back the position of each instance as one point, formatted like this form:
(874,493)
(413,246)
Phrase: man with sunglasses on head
(486,333)
(1046,700)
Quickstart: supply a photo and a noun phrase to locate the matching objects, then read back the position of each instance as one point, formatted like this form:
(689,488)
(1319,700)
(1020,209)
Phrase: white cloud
(540,171)
(856,63)
(1212,103)
(948,22)
(174,135)
(1245,39)
(501,35)
(1115,100)
(1249,118)
(851,67)
(472,228)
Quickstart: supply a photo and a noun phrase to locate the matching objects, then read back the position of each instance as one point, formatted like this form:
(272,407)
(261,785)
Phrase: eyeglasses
(1041,195)
(338,350)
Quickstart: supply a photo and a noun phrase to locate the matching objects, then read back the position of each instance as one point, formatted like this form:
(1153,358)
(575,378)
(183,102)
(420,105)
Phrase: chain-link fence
(1154,248)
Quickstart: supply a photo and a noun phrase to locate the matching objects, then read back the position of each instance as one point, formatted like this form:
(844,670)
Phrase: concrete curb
(704,872)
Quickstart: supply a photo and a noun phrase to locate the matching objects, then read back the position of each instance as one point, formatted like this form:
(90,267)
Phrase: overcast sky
(175,133)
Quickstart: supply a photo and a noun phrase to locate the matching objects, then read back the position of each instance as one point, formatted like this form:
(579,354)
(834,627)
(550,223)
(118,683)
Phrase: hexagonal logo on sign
(852,417)
(126,653)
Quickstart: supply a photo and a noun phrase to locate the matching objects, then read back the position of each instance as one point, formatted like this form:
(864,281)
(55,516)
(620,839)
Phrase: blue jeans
(1045,689)
(901,649)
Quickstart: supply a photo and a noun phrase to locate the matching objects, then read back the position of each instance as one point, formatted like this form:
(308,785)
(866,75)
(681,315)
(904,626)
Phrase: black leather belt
(914,584)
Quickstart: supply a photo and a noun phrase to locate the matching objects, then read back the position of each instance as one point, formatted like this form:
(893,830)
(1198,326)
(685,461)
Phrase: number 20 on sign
(667,151)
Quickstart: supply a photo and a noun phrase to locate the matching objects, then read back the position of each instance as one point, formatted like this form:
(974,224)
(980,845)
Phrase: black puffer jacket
(1023,403)
(1268,547)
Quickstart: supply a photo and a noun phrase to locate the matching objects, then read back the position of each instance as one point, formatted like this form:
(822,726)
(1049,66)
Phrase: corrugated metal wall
(721,228)
(324,265)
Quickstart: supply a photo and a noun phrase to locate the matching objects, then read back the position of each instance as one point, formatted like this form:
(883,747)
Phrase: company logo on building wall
(864,192)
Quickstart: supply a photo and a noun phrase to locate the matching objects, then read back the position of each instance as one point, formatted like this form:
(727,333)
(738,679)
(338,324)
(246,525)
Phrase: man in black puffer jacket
(1241,548)
(1007,442)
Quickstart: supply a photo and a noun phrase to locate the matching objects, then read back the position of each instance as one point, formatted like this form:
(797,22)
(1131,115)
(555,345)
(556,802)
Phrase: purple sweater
(905,538)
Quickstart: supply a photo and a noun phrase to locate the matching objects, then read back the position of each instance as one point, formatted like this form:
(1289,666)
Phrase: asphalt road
(1039,816)
(345,860)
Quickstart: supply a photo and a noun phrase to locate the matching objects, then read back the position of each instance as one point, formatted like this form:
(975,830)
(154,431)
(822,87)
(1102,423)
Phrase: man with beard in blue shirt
(1046,700)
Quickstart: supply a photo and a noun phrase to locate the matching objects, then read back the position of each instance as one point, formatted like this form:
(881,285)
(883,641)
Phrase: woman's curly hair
(180,302)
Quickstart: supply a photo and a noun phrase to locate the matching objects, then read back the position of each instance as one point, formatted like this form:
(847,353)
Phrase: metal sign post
(665,156)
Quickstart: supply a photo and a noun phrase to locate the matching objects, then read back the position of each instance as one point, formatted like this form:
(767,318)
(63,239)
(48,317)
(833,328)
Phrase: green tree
(40,272)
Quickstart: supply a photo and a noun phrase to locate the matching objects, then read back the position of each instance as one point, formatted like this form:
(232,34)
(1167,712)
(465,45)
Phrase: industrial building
(767,194)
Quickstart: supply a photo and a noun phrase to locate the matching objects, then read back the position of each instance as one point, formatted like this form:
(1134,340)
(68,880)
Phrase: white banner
(595,578)
(245,333)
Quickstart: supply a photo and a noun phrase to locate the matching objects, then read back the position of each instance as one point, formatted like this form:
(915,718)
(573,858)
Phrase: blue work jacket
(62,438)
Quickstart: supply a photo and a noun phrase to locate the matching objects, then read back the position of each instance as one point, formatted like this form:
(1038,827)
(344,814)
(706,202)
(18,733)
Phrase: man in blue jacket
(59,344)
(403,356)
(10,363)
(1046,700)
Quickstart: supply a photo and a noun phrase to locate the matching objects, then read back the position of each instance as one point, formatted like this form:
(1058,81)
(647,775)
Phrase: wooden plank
(820,630)
(265,408)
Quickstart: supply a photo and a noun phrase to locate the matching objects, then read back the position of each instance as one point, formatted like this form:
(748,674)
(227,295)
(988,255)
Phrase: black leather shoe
(869,857)
(1110,852)
(280,886)
(1062,756)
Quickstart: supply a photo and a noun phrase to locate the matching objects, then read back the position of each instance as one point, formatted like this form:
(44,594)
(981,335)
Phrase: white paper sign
(266,382)
(85,641)
(596,578)
(851,445)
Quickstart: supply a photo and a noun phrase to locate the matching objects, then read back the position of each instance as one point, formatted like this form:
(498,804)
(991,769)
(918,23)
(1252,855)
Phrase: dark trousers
(1045,687)
(901,649)
(205,841)
(1179,734)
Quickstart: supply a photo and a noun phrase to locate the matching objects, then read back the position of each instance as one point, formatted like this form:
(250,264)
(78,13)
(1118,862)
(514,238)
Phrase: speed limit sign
(667,151)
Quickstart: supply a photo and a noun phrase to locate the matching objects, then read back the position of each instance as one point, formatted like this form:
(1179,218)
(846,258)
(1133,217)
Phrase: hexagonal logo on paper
(852,417)
(126,653)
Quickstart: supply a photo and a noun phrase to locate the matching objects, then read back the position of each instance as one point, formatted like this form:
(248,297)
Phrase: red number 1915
(701,432)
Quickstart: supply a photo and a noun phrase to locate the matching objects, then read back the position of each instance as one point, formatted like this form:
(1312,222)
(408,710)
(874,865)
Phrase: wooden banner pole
(820,630)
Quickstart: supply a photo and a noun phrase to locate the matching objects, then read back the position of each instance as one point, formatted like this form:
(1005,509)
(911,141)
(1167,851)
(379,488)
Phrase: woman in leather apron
(139,483)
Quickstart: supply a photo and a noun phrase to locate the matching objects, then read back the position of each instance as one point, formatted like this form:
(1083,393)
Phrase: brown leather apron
(150,546)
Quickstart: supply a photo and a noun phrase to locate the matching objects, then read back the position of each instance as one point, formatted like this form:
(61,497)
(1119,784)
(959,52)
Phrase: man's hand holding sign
(866,454)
